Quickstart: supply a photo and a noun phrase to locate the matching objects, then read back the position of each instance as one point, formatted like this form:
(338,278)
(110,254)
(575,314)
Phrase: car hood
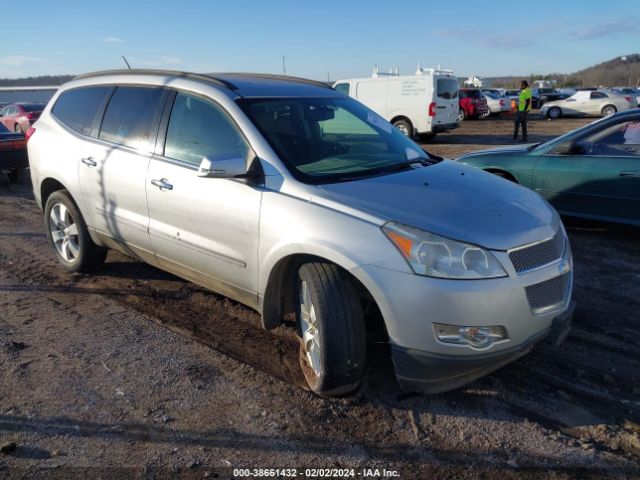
(456,201)
(509,149)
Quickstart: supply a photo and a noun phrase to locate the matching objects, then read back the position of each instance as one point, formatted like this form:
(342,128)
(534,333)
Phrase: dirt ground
(134,373)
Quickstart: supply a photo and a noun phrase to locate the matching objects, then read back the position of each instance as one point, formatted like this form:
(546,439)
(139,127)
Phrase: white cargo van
(422,104)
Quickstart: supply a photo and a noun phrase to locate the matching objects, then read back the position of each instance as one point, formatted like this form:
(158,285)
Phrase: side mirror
(222,166)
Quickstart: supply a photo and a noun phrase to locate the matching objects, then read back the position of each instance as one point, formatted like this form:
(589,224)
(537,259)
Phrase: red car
(13,153)
(18,117)
(472,104)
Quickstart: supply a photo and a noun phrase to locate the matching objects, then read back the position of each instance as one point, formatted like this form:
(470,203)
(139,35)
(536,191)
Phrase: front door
(601,179)
(204,229)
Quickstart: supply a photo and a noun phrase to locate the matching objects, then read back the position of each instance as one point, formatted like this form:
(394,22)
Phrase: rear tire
(404,126)
(461,115)
(608,110)
(13,176)
(331,327)
(68,235)
(554,112)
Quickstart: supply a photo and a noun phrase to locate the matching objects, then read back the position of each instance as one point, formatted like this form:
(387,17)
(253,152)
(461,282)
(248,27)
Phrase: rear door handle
(89,161)
(630,174)
(162,184)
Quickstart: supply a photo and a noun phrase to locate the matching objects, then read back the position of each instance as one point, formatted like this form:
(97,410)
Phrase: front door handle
(630,174)
(89,161)
(162,184)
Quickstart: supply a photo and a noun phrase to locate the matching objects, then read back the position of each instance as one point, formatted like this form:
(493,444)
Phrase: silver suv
(287,196)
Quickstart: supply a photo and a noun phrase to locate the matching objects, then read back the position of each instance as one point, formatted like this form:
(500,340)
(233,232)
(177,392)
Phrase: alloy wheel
(309,327)
(64,233)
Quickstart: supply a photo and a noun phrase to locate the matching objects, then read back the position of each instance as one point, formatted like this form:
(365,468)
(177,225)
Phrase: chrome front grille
(537,255)
(548,295)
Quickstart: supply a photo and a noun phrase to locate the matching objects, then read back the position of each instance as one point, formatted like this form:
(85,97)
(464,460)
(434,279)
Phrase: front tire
(331,326)
(68,235)
(554,112)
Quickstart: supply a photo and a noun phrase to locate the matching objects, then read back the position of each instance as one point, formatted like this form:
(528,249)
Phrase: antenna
(125,61)
(284,69)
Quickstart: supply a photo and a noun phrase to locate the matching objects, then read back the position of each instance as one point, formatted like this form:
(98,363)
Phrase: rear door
(446,99)
(604,181)
(113,170)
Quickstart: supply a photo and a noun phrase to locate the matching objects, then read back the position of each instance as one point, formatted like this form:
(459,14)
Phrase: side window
(77,108)
(4,111)
(598,95)
(622,139)
(198,129)
(343,88)
(13,111)
(130,116)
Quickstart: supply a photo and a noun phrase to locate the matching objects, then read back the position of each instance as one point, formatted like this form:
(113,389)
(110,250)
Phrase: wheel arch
(279,293)
(502,172)
(48,186)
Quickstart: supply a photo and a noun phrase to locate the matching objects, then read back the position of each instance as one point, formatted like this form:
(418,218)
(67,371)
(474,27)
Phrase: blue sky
(319,39)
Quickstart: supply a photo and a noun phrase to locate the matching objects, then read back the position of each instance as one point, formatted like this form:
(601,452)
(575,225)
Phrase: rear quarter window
(77,108)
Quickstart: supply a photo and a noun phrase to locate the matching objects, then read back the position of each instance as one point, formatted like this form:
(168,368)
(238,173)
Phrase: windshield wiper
(532,146)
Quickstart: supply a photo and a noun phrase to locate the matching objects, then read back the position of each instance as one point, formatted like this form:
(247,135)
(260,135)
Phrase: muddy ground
(132,372)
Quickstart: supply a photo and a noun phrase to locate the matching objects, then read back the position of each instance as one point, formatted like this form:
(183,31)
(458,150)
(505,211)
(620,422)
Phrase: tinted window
(198,128)
(343,88)
(598,95)
(447,88)
(131,115)
(77,108)
(470,94)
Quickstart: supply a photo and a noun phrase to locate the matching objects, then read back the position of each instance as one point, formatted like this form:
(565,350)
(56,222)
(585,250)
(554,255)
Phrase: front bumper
(432,373)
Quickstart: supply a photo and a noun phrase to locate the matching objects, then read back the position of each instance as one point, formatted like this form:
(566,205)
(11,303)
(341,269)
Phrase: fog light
(477,337)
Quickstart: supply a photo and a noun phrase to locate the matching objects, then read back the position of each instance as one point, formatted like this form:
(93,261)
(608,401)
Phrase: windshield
(324,140)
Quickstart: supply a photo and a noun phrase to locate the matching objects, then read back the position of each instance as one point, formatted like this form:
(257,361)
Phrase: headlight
(436,256)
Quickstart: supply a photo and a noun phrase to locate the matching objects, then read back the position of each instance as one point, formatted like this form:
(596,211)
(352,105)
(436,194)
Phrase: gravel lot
(132,372)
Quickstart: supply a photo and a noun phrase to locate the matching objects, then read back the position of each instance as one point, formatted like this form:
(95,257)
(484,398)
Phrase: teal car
(592,172)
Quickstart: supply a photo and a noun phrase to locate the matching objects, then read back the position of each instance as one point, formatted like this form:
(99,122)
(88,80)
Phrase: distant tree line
(619,71)
(42,81)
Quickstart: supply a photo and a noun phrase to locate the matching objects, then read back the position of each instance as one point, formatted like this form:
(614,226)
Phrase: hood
(456,201)
(509,149)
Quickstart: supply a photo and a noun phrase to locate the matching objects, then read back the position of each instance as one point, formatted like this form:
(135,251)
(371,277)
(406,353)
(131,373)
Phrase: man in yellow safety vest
(524,107)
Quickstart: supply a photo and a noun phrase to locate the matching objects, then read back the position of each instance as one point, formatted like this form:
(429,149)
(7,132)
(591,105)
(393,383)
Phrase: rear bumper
(444,127)
(433,373)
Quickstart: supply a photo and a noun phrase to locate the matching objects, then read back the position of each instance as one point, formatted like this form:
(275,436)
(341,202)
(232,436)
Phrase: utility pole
(284,69)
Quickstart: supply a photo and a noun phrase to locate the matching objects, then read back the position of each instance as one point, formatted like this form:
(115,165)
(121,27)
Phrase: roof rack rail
(175,73)
(271,76)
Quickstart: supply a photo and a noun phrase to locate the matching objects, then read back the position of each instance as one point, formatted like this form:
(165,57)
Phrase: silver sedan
(592,103)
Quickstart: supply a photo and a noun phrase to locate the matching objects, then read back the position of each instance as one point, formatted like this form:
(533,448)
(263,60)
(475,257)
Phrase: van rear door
(446,98)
